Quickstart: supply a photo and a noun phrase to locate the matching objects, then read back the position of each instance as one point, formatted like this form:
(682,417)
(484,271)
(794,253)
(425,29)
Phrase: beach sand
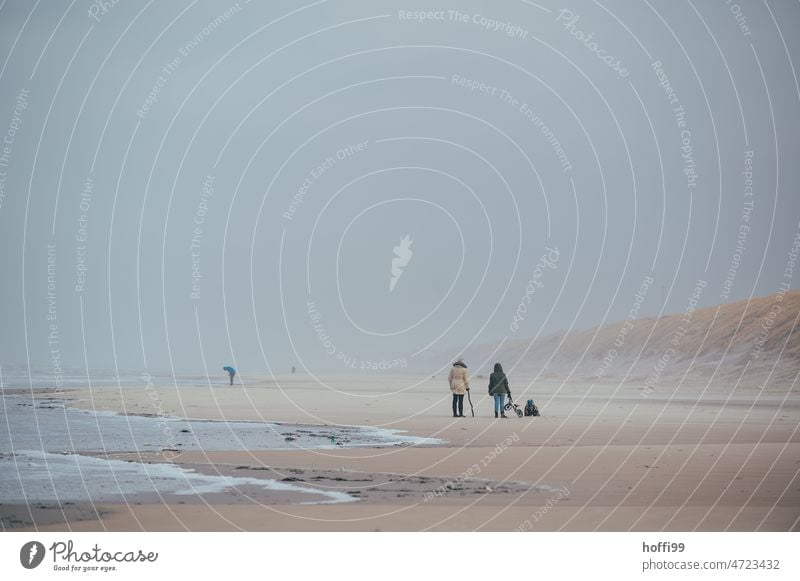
(606,458)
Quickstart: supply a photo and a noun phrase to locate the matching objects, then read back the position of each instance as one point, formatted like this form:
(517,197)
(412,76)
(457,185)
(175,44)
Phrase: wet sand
(685,459)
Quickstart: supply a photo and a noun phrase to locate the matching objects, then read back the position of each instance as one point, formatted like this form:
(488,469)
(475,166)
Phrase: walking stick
(472,409)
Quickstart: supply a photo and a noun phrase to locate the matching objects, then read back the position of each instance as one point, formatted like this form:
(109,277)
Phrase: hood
(460,364)
(498,367)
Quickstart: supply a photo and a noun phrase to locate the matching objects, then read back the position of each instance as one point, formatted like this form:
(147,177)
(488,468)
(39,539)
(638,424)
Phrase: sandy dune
(711,445)
(755,342)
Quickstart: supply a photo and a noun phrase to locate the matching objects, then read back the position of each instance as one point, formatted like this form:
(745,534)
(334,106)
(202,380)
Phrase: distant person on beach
(459,385)
(231,372)
(498,388)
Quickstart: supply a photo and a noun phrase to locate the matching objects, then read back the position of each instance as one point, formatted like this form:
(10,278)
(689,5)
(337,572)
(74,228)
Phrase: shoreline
(689,460)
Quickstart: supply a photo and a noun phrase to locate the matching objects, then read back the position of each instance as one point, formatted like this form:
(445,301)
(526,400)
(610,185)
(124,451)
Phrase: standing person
(498,388)
(231,372)
(459,385)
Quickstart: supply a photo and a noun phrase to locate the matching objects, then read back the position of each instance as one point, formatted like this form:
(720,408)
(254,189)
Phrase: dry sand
(681,458)
(755,342)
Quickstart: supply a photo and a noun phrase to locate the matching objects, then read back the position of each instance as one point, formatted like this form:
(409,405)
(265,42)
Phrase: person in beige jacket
(459,385)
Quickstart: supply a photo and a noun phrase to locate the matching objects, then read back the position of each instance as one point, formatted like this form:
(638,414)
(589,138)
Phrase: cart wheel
(507,407)
(519,413)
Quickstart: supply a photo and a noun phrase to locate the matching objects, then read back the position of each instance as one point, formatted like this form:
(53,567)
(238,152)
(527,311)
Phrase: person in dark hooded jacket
(498,388)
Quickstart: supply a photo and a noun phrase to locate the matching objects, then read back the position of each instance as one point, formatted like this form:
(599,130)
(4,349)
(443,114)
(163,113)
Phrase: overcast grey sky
(192,184)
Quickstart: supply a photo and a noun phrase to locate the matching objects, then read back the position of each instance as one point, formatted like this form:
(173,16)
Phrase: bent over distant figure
(459,385)
(231,372)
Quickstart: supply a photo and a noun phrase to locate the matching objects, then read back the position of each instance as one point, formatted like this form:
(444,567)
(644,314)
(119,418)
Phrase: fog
(333,185)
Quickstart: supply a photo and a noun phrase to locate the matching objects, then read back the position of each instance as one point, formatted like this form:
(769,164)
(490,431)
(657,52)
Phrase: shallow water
(47,425)
(39,378)
(43,447)
(32,477)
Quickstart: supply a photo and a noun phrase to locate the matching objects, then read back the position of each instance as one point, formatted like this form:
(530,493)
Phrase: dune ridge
(754,343)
